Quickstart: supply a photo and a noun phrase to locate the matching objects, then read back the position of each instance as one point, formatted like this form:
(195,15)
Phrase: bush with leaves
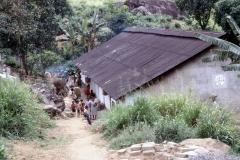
(171,129)
(177,25)
(20,115)
(134,134)
(3,155)
(10,61)
(112,122)
(216,123)
(173,117)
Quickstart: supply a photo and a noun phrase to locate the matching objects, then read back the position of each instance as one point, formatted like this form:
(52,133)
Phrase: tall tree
(31,25)
(198,9)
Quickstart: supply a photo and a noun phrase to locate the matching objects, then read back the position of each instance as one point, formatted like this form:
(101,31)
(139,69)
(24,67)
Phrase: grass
(173,117)
(20,115)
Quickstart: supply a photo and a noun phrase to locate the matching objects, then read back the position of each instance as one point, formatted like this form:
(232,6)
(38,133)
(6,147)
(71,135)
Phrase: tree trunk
(24,63)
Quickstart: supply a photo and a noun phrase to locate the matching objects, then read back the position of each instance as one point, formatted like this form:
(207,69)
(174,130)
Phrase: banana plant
(85,32)
(228,51)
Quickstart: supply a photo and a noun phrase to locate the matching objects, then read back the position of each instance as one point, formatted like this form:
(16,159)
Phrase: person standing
(86,114)
(73,107)
(88,103)
(78,108)
(92,94)
(93,109)
(82,106)
(87,91)
(70,81)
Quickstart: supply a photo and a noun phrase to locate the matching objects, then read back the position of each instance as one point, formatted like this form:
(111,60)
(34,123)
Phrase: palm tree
(229,50)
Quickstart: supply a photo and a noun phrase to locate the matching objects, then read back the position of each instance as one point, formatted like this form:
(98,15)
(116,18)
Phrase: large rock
(53,103)
(52,110)
(161,7)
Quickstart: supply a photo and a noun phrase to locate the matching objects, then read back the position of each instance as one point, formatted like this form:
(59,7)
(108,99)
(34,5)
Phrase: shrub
(162,20)
(188,22)
(12,63)
(169,18)
(177,25)
(173,130)
(173,117)
(138,133)
(181,17)
(122,116)
(20,116)
(190,112)
(3,155)
(216,122)
(167,25)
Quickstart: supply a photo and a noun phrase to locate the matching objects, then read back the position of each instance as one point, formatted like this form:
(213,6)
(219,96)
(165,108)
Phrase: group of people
(74,80)
(89,109)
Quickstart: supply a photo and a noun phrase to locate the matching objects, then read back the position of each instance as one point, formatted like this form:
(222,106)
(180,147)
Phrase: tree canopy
(198,9)
(30,25)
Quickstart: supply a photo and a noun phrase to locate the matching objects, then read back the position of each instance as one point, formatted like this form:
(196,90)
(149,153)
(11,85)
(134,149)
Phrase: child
(73,107)
(86,114)
(82,106)
(78,107)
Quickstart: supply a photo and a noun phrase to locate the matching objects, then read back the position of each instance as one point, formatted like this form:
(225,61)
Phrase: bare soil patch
(71,140)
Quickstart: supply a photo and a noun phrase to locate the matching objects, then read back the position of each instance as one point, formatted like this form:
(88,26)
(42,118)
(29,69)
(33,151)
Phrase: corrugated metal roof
(138,55)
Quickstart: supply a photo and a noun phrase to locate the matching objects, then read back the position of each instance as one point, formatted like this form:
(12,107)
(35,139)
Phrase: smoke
(63,67)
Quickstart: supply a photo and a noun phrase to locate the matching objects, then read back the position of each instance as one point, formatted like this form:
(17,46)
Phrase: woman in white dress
(93,109)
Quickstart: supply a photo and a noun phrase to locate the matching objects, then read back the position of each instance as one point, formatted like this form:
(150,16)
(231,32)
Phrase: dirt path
(71,140)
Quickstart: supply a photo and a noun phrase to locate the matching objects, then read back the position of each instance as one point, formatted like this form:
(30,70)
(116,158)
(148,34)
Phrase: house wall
(107,100)
(204,78)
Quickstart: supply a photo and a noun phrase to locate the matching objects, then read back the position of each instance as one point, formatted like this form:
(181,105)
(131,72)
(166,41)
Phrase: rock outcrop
(52,103)
(161,7)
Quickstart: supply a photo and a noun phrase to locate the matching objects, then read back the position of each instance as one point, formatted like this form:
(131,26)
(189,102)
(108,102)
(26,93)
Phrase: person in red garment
(73,106)
(87,91)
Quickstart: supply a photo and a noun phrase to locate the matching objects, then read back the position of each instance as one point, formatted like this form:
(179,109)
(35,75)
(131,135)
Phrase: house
(156,59)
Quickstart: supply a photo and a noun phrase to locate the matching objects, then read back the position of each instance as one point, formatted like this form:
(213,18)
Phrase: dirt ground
(71,140)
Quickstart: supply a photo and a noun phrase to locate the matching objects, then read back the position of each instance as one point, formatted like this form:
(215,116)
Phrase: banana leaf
(231,67)
(234,26)
(219,42)
(213,58)
(226,54)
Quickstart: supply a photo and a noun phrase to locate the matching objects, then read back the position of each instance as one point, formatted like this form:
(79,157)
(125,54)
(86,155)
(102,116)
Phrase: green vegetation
(20,115)
(28,28)
(229,51)
(10,61)
(2,152)
(231,7)
(200,10)
(172,117)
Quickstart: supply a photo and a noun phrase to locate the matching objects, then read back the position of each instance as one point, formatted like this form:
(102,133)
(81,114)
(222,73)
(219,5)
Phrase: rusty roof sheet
(138,55)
